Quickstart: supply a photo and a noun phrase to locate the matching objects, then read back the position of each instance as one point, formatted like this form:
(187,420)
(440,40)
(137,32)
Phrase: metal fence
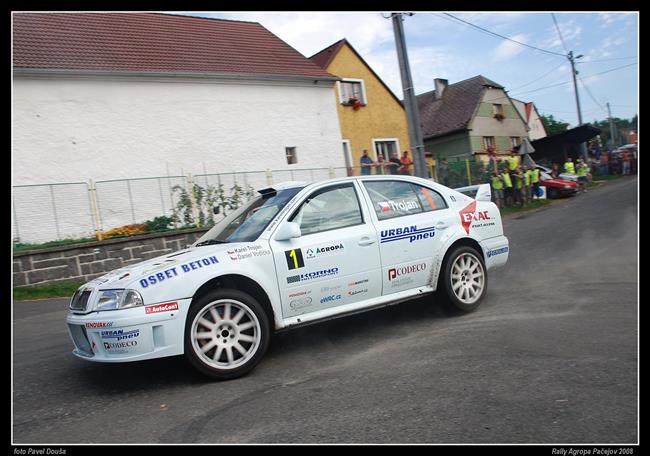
(73,210)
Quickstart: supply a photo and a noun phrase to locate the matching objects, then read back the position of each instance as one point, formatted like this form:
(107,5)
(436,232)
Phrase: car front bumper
(129,334)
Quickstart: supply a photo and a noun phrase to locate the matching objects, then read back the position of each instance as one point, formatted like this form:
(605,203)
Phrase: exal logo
(330,298)
(394,273)
(494,252)
(468,215)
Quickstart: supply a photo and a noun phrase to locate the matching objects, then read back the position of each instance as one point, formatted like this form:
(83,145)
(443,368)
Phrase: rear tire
(464,280)
(227,333)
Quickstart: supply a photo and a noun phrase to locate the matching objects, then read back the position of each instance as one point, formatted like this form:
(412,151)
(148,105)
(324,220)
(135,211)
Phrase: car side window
(392,199)
(430,199)
(329,208)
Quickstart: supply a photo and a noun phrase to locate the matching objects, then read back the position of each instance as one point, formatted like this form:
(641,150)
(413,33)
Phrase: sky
(439,46)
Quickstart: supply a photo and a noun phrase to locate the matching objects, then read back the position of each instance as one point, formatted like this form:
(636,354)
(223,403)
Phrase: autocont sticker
(157,308)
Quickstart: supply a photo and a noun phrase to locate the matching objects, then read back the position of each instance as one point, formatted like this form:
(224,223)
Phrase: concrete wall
(74,129)
(87,261)
(382,117)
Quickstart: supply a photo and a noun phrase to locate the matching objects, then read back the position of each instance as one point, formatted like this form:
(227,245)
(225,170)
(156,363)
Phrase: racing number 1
(294,259)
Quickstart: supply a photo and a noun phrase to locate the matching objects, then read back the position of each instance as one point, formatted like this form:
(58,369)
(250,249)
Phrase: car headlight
(567,186)
(118,299)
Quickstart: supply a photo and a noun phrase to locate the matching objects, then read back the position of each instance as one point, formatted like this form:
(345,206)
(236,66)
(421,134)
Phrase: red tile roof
(151,42)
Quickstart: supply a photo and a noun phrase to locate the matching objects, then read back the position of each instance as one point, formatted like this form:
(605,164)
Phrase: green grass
(534,204)
(608,177)
(48,290)
(19,247)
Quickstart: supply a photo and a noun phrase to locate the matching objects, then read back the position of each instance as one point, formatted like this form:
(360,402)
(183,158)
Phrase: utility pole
(583,147)
(410,102)
(612,130)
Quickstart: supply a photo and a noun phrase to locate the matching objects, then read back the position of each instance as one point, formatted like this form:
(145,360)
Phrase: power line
(609,60)
(537,79)
(591,95)
(503,37)
(557,27)
(569,82)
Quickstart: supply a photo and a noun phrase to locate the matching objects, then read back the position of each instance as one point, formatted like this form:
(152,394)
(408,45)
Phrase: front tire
(227,333)
(464,280)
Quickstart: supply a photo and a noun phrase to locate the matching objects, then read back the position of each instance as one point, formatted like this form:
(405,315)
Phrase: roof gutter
(174,75)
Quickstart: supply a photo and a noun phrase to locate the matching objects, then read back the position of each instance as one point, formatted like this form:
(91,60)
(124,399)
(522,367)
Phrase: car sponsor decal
(120,334)
(174,272)
(119,347)
(384,206)
(294,259)
(98,324)
(394,273)
(157,308)
(498,251)
(299,293)
(249,251)
(319,251)
(331,288)
(358,282)
(412,233)
(299,303)
(156,267)
(330,298)
(469,215)
(312,275)
(402,205)
(356,292)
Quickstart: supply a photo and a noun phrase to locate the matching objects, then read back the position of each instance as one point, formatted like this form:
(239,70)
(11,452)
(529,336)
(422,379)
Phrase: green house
(464,119)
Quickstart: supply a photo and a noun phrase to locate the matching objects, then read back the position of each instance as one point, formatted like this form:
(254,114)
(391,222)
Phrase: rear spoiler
(481,192)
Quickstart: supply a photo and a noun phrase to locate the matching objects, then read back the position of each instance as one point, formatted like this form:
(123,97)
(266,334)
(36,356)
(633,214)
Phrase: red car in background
(556,187)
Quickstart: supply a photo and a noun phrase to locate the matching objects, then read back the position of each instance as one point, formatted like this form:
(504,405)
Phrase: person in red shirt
(406,162)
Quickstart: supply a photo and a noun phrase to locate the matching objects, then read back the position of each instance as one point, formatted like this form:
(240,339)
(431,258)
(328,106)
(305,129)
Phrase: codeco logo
(394,273)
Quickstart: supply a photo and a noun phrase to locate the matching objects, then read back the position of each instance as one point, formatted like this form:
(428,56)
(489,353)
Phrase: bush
(158,224)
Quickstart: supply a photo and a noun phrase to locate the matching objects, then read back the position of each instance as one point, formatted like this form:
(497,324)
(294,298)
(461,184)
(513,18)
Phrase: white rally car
(296,254)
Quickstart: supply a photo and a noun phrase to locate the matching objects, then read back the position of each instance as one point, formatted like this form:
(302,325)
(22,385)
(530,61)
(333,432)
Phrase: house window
(351,90)
(515,141)
(385,148)
(488,142)
(292,157)
(497,109)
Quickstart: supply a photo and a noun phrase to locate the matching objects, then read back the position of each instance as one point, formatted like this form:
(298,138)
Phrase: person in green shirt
(582,175)
(507,183)
(497,188)
(519,186)
(569,167)
(527,178)
(534,180)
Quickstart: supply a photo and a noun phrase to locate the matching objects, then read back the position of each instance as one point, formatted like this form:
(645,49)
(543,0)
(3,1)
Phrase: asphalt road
(551,356)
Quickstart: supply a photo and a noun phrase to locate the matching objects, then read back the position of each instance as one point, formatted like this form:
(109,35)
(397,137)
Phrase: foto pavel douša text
(39,451)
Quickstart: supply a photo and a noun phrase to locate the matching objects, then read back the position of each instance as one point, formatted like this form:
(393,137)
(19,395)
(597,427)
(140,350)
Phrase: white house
(529,113)
(122,95)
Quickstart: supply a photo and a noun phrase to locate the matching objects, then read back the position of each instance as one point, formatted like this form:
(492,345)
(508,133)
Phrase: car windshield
(250,220)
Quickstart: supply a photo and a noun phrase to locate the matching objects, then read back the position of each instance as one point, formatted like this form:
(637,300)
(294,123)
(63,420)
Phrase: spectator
(497,188)
(569,167)
(582,175)
(534,180)
(394,164)
(555,171)
(518,186)
(366,163)
(527,183)
(443,172)
(380,163)
(626,163)
(406,163)
(604,163)
(507,182)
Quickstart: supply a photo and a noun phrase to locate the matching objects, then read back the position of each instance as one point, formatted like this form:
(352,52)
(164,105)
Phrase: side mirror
(288,230)
(216,209)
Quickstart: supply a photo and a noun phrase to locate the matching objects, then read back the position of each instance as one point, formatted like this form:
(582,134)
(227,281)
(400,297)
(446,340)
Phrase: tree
(622,128)
(553,126)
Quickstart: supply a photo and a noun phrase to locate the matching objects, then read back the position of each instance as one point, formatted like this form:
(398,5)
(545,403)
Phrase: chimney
(440,85)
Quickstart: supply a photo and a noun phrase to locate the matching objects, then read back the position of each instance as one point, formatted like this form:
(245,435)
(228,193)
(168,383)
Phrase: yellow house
(371,117)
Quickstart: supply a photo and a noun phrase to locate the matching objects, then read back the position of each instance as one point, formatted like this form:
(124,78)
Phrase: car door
(335,261)
(409,219)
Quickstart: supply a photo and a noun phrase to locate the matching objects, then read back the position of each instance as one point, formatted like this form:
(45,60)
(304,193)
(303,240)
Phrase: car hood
(125,277)
(559,182)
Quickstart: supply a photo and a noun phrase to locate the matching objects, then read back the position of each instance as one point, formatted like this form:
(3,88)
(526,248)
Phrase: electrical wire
(557,27)
(590,94)
(537,79)
(503,37)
